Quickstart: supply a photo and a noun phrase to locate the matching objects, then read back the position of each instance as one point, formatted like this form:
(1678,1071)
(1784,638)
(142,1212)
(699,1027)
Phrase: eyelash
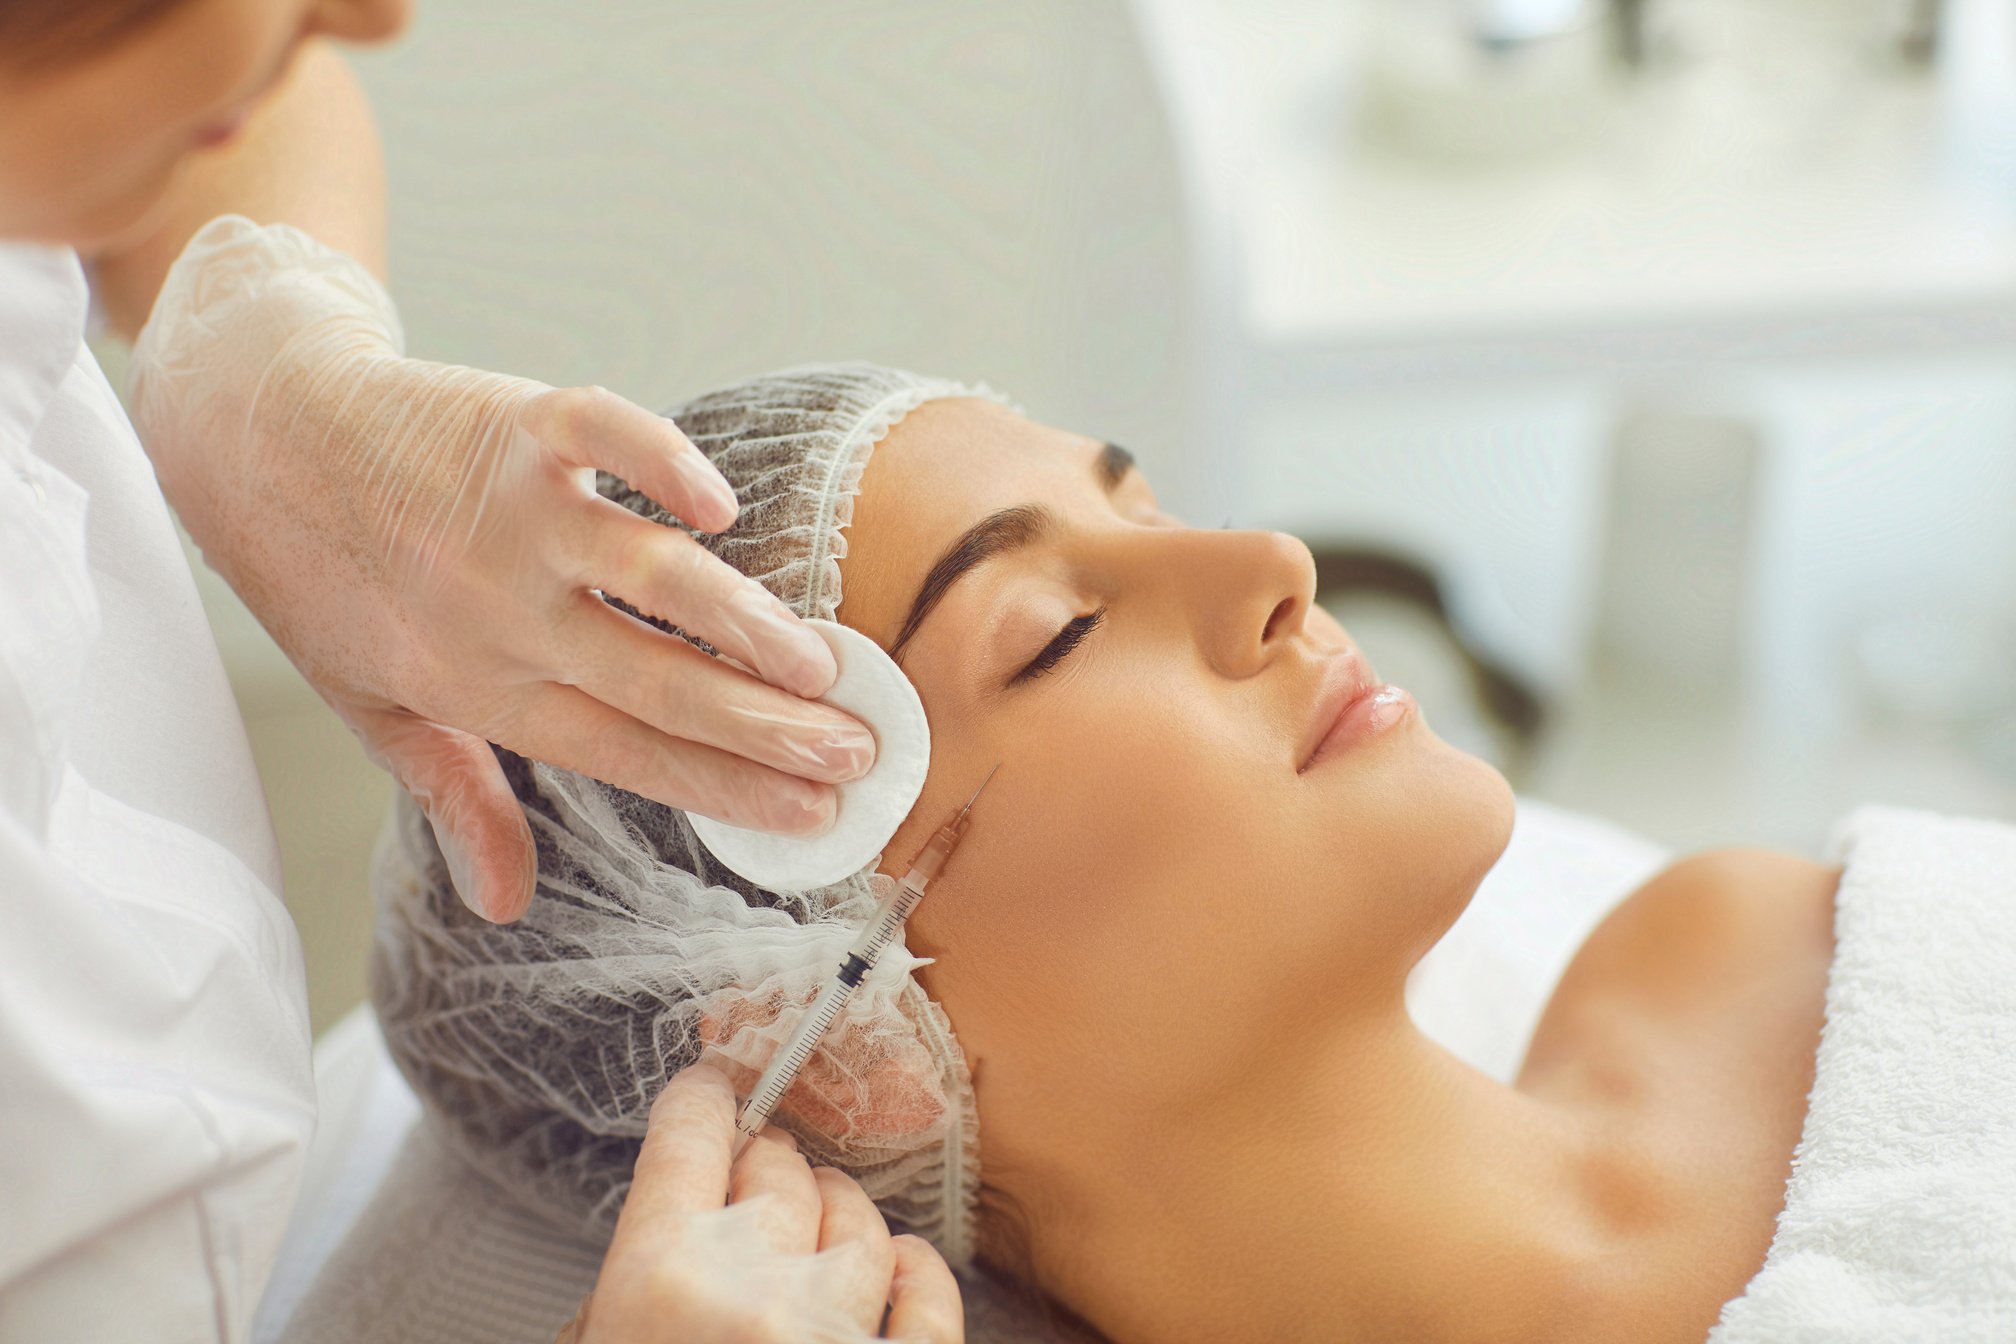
(1070,637)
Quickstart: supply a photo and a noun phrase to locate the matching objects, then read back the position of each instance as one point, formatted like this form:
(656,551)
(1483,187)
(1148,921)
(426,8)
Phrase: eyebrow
(996,535)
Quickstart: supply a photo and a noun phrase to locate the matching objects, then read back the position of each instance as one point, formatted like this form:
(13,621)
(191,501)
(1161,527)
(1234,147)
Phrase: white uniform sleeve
(156,1095)
(152,1097)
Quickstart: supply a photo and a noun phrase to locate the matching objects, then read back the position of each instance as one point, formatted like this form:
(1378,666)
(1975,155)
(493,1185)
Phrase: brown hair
(39,35)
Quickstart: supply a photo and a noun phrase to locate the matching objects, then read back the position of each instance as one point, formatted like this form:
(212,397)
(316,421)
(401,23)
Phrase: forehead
(943,467)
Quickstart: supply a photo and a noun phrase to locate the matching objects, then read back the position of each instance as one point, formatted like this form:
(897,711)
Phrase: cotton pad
(874,690)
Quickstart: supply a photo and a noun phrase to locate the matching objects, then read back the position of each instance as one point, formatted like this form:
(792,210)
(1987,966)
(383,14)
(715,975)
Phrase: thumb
(477,820)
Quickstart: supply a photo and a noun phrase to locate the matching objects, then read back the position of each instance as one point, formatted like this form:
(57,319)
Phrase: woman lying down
(1148,1054)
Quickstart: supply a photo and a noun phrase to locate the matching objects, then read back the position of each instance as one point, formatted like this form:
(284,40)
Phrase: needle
(976,793)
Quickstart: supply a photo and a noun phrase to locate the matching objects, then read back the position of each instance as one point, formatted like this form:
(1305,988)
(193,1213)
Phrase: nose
(359,20)
(1258,588)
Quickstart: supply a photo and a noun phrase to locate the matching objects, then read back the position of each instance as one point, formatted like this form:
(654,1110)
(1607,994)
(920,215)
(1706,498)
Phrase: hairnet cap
(793,445)
(538,1047)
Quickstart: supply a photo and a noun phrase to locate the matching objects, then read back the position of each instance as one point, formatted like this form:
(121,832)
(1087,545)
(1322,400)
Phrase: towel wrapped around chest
(1900,1214)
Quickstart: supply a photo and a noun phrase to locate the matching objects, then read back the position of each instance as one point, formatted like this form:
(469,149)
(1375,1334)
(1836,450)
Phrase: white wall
(660,197)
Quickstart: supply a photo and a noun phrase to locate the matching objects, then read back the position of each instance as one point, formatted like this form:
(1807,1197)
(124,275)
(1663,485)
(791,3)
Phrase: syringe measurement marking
(782,1084)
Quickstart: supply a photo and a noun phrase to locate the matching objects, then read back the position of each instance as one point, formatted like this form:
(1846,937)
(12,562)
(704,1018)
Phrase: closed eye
(1070,637)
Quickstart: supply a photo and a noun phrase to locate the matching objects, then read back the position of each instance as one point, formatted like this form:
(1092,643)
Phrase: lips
(1345,680)
(1352,707)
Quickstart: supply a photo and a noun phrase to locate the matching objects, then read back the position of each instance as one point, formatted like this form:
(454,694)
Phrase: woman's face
(90,144)
(1156,887)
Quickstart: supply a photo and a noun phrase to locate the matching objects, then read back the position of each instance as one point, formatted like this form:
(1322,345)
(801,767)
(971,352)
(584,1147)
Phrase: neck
(1373,1187)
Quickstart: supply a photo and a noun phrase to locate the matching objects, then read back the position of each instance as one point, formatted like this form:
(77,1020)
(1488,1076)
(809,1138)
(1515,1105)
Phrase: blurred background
(1643,372)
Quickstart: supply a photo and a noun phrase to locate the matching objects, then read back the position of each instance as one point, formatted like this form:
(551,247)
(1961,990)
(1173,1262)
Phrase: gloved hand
(765,1250)
(426,544)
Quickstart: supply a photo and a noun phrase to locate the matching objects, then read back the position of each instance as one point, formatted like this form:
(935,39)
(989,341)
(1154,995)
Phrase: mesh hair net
(538,1047)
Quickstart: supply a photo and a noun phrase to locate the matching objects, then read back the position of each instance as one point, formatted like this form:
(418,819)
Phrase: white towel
(1900,1215)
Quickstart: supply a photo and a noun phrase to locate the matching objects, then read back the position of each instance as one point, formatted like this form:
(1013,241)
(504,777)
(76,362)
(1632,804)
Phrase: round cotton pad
(874,690)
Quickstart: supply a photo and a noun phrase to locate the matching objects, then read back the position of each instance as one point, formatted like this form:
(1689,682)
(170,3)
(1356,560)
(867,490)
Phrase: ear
(870,1080)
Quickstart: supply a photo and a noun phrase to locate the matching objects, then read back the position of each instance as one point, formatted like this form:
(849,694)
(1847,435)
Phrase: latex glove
(763,1250)
(426,544)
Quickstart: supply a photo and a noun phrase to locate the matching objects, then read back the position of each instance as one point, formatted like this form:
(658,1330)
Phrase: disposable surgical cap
(538,1047)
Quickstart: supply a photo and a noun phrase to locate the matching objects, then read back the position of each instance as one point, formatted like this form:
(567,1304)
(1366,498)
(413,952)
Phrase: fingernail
(811,670)
(791,653)
(848,752)
(805,811)
(461,875)
(705,480)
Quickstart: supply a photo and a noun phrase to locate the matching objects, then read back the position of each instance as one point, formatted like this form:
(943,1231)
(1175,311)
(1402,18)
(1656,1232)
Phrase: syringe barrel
(882,928)
(887,922)
(791,1056)
(890,912)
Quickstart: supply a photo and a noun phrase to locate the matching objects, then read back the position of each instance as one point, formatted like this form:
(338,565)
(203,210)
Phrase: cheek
(1154,843)
(1110,886)
(223,56)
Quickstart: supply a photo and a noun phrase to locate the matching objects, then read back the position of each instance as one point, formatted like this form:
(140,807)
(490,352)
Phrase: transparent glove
(761,1250)
(426,544)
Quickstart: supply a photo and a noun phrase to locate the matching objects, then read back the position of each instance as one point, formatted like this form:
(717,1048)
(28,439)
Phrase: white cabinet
(1447,358)
(1888,512)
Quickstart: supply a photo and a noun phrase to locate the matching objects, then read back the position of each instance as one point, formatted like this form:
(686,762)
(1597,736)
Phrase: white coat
(156,1098)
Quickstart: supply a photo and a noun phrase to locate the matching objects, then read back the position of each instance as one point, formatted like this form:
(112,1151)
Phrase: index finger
(662,572)
(683,1167)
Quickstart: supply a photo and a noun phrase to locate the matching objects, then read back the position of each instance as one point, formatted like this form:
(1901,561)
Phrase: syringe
(875,938)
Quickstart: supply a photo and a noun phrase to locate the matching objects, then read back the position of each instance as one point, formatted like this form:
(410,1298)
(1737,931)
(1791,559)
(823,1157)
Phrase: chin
(1477,798)
(1460,807)
(1413,836)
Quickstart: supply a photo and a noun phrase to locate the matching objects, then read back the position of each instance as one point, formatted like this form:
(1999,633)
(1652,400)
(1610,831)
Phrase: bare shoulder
(1737,883)
(1710,914)
(1744,867)
(1689,1019)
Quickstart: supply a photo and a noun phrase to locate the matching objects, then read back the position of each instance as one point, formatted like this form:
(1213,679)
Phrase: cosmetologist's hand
(763,1250)
(426,544)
